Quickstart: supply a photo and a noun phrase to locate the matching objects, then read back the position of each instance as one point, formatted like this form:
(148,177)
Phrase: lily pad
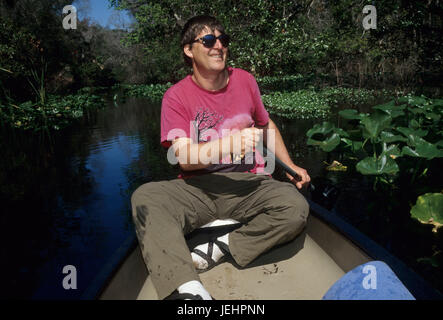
(324,129)
(437,102)
(354,145)
(409,131)
(350,114)
(429,210)
(419,147)
(433,261)
(375,123)
(329,133)
(412,101)
(391,150)
(389,137)
(384,164)
(391,109)
(326,145)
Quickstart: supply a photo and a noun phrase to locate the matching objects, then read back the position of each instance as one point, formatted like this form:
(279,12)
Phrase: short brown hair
(193,27)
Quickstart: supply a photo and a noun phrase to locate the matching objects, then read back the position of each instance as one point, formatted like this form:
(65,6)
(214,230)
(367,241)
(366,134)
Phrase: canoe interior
(302,269)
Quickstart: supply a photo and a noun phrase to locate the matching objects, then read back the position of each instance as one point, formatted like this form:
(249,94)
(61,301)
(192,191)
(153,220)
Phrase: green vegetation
(429,209)
(36,53)
(284,97)
(394,144)
(312,104)
(297,50)
(397,149)
(284,83)
(154,92)
(301,104)
(280,38)
(55,113)
(352,97)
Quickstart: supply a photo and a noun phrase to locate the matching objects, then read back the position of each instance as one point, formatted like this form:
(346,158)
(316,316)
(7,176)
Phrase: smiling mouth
(217,59)
(217,56)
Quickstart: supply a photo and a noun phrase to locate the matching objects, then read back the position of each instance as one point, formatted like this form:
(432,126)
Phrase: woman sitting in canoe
(213,123)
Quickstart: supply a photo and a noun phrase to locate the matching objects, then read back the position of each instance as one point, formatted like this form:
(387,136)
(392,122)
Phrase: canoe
(304,268)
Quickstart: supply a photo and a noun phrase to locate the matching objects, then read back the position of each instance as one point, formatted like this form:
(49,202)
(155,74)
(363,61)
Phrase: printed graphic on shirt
(204,121)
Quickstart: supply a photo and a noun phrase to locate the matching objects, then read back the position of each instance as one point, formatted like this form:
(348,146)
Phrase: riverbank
(290,96)
(53,112)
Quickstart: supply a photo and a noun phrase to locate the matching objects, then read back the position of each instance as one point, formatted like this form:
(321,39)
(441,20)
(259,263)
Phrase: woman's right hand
(245,140)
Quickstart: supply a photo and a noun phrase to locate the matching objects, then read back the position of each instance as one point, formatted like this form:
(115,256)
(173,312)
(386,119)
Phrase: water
(69,204)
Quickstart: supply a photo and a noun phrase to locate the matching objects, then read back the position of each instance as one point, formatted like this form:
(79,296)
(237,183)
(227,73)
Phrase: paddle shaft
(284,166)
(281,163)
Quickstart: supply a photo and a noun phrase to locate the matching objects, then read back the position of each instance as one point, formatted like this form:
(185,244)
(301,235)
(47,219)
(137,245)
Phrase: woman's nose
(218,44)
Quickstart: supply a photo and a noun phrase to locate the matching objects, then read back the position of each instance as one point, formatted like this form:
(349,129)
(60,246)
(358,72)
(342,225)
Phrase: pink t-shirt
(191,111)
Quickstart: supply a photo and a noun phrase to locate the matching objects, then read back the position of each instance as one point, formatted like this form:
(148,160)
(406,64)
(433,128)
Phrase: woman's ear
(187,51)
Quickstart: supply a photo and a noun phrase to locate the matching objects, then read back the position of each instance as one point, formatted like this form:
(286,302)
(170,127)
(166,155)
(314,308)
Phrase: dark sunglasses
(209,40)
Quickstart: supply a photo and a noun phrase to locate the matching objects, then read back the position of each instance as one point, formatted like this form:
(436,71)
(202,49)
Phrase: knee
(140,201)
(297,211)
(295,224)
(145,193)
(302,208)
(136,202)
(136,196)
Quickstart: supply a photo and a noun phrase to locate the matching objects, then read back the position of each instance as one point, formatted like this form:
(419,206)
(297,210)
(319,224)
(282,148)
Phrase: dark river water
(67,203)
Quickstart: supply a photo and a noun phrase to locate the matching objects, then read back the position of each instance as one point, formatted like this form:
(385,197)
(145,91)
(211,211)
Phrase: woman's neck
(211,82)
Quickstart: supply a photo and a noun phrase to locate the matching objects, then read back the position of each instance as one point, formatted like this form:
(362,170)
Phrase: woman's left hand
(303,179)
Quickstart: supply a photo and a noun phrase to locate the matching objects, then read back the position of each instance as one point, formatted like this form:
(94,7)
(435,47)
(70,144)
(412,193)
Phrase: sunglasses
(209,40)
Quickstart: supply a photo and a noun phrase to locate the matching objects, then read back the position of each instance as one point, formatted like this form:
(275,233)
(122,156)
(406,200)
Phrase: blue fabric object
(370,281)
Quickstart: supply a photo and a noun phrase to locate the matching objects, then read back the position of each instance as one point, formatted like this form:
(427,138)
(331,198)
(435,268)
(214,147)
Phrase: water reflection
(69,204)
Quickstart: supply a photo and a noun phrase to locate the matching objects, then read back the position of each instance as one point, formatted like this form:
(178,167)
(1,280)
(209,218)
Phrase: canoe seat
(373,280)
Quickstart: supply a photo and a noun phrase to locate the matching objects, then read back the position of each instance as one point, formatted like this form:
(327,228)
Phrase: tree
(273,37)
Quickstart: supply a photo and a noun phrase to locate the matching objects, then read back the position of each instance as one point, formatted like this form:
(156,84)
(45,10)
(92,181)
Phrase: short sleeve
(260,115)
(173,120)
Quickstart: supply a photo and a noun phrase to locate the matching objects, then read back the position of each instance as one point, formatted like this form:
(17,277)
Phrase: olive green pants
(273,212)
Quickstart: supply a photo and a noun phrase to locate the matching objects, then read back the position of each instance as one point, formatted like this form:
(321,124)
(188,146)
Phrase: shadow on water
(68,203)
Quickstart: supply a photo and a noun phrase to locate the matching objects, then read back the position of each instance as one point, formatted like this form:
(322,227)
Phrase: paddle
(326,192)
(285,166)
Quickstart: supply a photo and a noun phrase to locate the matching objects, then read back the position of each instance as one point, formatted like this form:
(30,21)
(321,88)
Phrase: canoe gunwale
(105,276)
